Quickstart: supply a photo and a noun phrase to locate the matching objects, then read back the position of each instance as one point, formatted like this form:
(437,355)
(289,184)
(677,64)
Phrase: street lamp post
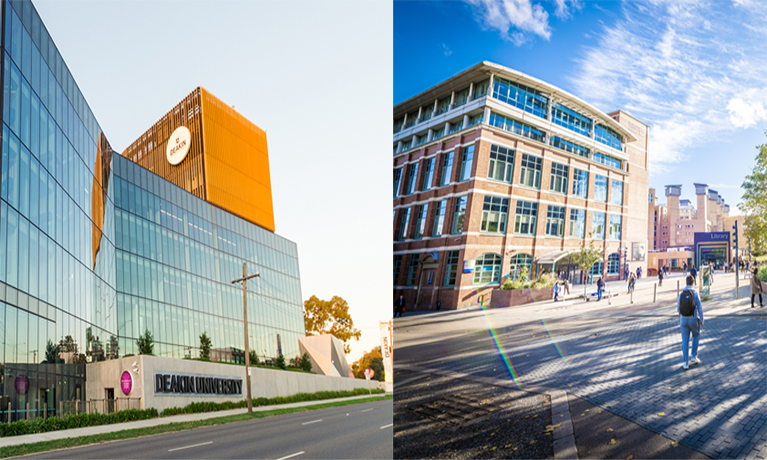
(244,281)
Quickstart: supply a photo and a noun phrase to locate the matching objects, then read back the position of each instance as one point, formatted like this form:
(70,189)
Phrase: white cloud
(446,50)
(516,19)
(690,83)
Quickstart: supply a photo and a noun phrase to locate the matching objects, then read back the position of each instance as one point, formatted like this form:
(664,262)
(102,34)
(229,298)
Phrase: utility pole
(244,281)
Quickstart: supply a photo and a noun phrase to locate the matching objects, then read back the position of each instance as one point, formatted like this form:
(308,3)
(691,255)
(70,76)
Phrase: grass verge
(24,449)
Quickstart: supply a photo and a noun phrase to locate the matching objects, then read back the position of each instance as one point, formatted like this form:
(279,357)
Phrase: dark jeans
(760,299)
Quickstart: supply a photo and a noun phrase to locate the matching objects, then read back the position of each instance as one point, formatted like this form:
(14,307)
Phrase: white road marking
(309,423)
(386,426)
(366,410)
(193,445)
(292,455)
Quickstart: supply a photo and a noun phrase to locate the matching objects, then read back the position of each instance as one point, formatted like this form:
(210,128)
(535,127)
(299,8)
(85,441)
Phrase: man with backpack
(690,320)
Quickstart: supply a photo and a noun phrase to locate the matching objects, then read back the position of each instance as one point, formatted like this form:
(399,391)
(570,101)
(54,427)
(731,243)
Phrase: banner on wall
(386,351)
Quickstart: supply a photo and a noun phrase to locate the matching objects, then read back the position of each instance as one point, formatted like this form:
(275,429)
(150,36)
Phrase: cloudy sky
(315,75)
(694,71)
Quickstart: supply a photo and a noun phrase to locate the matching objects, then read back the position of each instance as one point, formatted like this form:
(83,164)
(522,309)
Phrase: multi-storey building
(497,173)
(96,249)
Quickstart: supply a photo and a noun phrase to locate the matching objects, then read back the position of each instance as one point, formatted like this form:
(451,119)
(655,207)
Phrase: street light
(244,281)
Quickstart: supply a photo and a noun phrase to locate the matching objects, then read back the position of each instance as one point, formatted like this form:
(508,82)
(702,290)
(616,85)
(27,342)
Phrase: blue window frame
(523,97)
(613,264)
(607,160)
(608,136)
(600,188)
(555,221)
(571,119)
(501,164)
(578,223)
(494,214)
(615,227)
(580,183)
(516,127)
(572,147)
(467,156)
(616,193)
(524,221)
(487,269)
(598,225)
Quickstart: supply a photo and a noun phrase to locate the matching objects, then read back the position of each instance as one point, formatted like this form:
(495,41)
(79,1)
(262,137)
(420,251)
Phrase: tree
(280,362)
(754,204)
(373,360)
(145,343)
(205,346)
(52,353)
(306,363)
(586,257)
(330,317)
(253,355)
(112,348)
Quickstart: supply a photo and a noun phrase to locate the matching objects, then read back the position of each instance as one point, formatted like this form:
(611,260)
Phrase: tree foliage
(754,203)
(330,317)
(252,355)
(586,257)
(280,362)
(306,363)
(373,360)
(145,343)
(52,353)
(205,346)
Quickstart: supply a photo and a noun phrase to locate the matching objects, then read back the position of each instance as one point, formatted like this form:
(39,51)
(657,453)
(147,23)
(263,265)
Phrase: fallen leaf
(661,414)
(674,444)
(494,447)
(612,441)
(551,427)
(609,430)
(562,415)
(507,446)
(532,442)
(536,415)
(629,457)
(586,410)
(527,416)
(669,388)
(643,365)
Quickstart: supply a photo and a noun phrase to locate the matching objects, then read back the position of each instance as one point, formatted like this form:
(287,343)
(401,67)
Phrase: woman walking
(757,288)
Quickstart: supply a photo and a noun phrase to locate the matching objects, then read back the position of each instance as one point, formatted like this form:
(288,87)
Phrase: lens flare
(506,362)
(554,342)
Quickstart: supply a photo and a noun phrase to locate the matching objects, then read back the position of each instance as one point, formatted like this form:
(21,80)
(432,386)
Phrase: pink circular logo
(126,383)
(21,384)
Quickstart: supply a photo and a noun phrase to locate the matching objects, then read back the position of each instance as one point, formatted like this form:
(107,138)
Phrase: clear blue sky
(315,75)
(693,71)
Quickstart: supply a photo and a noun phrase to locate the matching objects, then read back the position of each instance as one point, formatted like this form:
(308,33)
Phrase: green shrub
(306,363)
(280,362)
(763,273)
(41,425)
(508,285)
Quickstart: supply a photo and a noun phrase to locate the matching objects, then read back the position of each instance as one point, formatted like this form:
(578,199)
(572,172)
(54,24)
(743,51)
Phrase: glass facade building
(95,249)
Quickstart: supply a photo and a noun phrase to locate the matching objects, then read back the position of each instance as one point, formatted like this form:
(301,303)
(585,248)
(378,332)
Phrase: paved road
(623,357)
(355,431)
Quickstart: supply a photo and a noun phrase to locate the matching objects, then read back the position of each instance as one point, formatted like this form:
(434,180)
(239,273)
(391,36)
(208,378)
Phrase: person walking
(399,306)
(685,269)
(600,288)
(660,277)
(556,291)
(632,282)
(694,274)
(757,288)
(639,272)
(690,321)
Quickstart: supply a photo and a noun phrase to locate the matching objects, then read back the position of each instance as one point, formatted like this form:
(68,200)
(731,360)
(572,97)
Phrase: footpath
(100,429)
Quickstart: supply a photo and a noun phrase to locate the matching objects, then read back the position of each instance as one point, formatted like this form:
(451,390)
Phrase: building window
(398,125)
(411,178)
(404,220)
(600,188)
(596,269)
(487,269)
(443,105)
(520,96)
(421,139)
(501,163)
(420,221)
(559,174)
(571,119)
(412,270)
(580,183)
(516,127)
(494,212)
(520,263)
(426,112)
(467,156)
(397,181)
(428,173)
(607,160)
(531,171)
(438,133)
(568,146)
(615,227)
(447,168)
(455,127)
(578,223)
(613,264)
(480,89)
(598,226)
(608,136)
(459,213)
(475,119)
(555,221)
(411,119)
(461,97)
(439,218)
(616,196)
(524,221)
(397,266)
(451,268)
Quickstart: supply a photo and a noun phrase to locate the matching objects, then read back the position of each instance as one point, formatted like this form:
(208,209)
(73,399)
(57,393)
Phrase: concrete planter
(501,298)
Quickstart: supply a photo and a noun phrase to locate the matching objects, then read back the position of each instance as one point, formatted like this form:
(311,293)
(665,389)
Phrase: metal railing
(91,406)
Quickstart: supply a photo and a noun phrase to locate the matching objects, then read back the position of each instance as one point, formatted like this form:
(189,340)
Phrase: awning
(553,257)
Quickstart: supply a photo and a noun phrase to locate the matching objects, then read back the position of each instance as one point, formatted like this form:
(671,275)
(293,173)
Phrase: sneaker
(695,360)
(685,366)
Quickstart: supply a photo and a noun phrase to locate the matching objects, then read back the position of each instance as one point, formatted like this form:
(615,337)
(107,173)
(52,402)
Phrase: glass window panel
(15,104)
(24,127)
(23,282)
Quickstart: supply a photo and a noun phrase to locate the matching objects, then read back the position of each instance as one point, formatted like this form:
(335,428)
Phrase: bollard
(27,411)
(9,412)
(90,406)
(45,417)
(77,407)
(632,296)
(677,289)
(654,291)
(609,298)
(61,408)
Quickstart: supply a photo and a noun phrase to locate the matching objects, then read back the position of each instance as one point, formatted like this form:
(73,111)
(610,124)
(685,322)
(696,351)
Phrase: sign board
(126,382)
(705,282)
(369,373)
(178,145)
(387,349)
(468,266)
(637,251)
(178,384)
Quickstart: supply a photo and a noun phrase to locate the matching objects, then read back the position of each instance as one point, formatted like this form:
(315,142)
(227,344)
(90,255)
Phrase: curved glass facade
(94,249)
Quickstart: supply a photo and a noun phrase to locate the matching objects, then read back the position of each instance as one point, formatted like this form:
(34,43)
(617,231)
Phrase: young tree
(306,363)
(373,360)
(330,317)
(205,346)
(754,203)
(52,353)
(253,356)
(145,343)
(586,257)
(280,362)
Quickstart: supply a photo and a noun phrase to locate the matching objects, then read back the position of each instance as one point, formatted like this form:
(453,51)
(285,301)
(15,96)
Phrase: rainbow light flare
(509,366)
(554,342)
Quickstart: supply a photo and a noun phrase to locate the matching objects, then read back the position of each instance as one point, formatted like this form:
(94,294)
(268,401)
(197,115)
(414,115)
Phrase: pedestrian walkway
(100,429)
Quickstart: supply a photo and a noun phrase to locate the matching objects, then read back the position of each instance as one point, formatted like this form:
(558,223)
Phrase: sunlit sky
(315,75)
(694,71)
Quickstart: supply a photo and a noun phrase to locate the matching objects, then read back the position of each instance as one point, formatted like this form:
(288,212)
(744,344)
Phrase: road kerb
(564,439)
